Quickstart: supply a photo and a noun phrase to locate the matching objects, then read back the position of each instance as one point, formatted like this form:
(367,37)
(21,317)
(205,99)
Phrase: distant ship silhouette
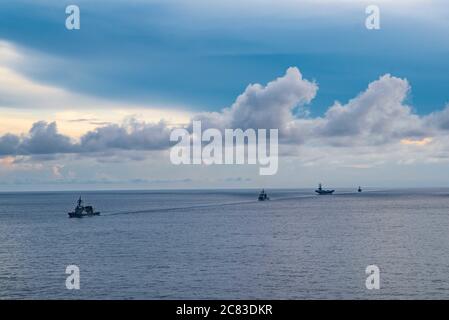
(321,191)
(263,196)
(83,211)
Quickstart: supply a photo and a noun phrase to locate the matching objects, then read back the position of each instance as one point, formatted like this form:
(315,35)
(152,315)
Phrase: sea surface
(225,244)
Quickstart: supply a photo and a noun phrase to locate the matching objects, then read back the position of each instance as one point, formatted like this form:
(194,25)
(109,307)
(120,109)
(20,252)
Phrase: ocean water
(226,245)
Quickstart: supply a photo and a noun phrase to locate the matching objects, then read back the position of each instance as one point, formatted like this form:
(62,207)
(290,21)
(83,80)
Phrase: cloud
(56,169)
(421,142)
(44,139)
(131,135)
(9,144)
(7,162)
(93,121)
(439,119)
(376,116)
(375,127)
(265,107)
(369,129)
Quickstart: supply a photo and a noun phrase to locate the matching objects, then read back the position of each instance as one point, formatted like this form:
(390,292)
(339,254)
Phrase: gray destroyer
(83,211)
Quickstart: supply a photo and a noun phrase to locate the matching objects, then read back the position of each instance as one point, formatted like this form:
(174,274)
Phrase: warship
(321,191)
(83,211)
(263,196)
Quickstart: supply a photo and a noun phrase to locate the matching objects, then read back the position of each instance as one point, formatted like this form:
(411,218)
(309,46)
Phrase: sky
(93,108)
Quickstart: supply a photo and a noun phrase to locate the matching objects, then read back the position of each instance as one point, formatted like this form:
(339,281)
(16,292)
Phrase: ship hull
(78,215)
(324,192)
